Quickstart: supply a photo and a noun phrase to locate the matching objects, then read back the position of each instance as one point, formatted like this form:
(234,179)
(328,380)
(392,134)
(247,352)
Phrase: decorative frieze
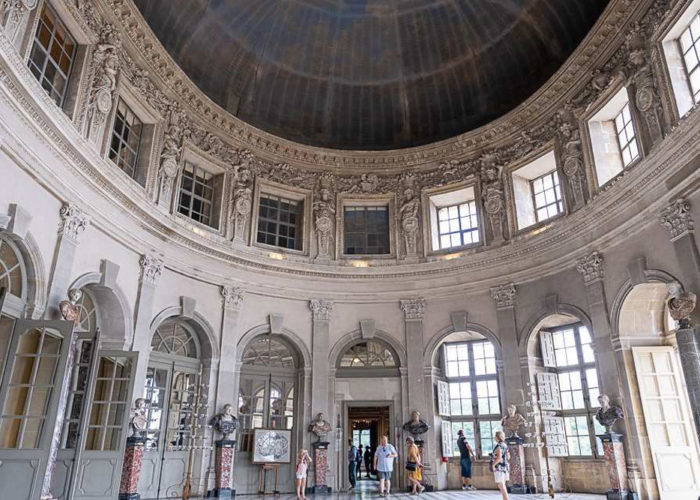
(73,221)
(321,309)
(504,295)
(413,309)
(13,14)
(591,267)
(232,297)
(677,218)
(151,269)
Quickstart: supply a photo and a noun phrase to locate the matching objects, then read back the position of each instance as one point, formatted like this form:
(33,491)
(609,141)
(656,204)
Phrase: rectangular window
(458,225)
(577,436)
(625,136)
(565,347)
(571,391)
(487,394)
(690,48)
(460,398)
(52,55)
(196,194)
(366,230)
(468,429)
(487,430)
(457,360)
(126,139)
(547,195)
(484,358)
(279,222)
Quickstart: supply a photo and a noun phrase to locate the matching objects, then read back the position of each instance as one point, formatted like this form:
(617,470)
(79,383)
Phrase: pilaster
(505,298)
(227,386)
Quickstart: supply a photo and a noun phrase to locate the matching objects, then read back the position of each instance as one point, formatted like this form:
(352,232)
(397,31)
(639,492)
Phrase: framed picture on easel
(272,446)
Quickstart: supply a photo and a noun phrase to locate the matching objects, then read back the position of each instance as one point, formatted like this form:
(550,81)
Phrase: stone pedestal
(614,454)
(131,468)
(225,449)
(320,467)
(517,465)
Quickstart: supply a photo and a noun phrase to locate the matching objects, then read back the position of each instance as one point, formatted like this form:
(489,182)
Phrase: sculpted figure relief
(570,138)
(681,304)
(408,213)
(170,155)
(416,426)
(320,427)
(492,193)
(607,414)
(512,422)
(324,216)
(105,61)
(225,422)
(242,200)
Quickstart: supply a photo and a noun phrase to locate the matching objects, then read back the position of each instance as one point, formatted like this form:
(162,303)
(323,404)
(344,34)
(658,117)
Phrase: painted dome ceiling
(370,74)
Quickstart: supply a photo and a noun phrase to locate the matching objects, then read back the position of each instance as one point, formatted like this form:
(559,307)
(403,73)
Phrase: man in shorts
(466,455)
(384,465)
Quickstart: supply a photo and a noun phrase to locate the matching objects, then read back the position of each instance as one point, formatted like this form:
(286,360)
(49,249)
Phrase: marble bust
(320,427)
(69,308)
(225,422)
(512,422)
(416,426)
(607,414)
(138,421)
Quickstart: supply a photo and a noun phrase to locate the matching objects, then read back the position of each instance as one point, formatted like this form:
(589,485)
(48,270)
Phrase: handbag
(411,466)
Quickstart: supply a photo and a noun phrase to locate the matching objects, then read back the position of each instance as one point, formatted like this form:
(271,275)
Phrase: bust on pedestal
(613,450)
(320,428)
(417,427)
(511,423)
(225,423)
(133,453)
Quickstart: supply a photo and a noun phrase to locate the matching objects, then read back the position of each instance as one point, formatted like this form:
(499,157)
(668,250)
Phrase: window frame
(695,46)
(123,143)
(629,141)
(476,418)
(298,226)
(208,184)
(581,368)
(346,200)
(433,199)
(558,199)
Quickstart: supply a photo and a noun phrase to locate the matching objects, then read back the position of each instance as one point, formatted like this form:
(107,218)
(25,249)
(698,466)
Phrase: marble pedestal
(426,466)
(320,467)
(225,449)
(131,468)
(517,465)
(614,454)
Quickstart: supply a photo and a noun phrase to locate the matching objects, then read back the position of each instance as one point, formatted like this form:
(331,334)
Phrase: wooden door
(668,422)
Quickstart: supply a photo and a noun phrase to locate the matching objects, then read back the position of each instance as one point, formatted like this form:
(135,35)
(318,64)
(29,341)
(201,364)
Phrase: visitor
(384,465)
(352,464)
(466,455)
(368,460)
(300,473)
(414,466)
(499,462)
(359,462)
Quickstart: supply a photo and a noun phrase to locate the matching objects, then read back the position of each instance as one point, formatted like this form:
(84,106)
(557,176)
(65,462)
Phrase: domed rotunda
(234,230)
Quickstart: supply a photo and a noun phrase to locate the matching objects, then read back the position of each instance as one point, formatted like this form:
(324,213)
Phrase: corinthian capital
(591,267)
(232,297)
(413,308)
(676,218)
(151,268)
(504,295)
(73,221)
(321,309)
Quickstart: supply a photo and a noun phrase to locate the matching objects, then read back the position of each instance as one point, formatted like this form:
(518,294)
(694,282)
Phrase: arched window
(268,352)
(87,313)
(368,358)
(12,272)
(177,338)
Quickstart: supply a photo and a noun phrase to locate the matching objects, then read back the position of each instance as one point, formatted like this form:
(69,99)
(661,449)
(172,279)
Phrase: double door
(171,387)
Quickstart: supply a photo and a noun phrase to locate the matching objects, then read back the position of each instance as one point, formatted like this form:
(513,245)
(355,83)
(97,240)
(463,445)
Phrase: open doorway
(366,425)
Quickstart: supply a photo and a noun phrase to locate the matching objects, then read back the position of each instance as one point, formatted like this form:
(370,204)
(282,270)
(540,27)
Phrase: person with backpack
(499,464)
(466,455)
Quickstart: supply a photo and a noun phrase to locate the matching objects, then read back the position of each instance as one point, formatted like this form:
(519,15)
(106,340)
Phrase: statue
(69,308)
(492,193)
(512,422)
(320,427)
(680,304)
(169,156)
(242,201)
(646,95)
(324,214)
(105,60)
(138,421)
(607,414)
(225,422)
(416,426)
(572,153)
(409,221)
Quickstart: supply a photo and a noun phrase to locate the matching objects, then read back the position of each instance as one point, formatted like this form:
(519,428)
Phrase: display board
(272,446)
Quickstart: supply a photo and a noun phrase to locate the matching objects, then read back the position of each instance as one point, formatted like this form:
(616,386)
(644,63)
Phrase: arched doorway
(270,380)
(662,410)
(172,384)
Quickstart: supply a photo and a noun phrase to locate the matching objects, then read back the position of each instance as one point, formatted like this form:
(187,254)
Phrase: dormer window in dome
(681,48)
(537,191)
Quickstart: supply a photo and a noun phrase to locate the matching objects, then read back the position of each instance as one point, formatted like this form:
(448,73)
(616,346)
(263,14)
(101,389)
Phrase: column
(414,310)
(151,270)
(227,386)
(320,389)
(73,224)
(676,218)
(509,364)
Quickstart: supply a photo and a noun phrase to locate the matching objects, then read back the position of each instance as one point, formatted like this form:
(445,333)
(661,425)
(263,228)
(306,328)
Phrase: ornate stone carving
(492,193)
(138,422)
(321,309)
(12,14)
(242,198)
(677,218)
(232,297)
(512,422)
(681,304)
(69,308)
(408,214)
(504,295)
(608,414)
(324,217)
(416,426)
(151,268)
(105,67)
(73,221)
(413,308)
(170,155)
(591,267)
(320,427)
(572,155)
(225,422)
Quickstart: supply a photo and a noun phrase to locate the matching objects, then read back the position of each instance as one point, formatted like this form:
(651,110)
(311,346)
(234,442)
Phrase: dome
(371,74)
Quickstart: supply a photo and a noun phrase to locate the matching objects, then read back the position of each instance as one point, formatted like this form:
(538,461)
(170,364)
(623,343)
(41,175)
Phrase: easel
(263,474)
